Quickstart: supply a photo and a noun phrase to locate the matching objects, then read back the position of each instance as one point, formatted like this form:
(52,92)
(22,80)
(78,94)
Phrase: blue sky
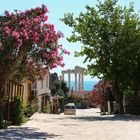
(57,8)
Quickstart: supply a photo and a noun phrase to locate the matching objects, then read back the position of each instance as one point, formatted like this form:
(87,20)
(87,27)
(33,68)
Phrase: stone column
(75,81)
(62,76)
(82,82)
(79,82)
(69,80)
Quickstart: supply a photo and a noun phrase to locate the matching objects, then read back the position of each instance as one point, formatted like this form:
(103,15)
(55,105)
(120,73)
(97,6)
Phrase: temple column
(69,80)
(75,81)
(79,82)
(62,78)
(82,82)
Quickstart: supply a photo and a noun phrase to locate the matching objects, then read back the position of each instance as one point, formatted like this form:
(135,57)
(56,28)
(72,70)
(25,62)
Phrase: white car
(70,109)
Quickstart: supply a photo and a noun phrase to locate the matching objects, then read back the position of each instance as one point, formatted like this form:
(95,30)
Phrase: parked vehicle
(70,109)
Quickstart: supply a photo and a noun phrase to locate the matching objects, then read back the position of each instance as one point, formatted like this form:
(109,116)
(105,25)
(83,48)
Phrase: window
(69,107)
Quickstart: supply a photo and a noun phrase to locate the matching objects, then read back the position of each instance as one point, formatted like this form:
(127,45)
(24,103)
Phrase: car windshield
(69,107)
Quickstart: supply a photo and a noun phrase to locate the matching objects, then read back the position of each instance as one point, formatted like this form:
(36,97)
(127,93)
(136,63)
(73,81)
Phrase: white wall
(42,89)
(43,85)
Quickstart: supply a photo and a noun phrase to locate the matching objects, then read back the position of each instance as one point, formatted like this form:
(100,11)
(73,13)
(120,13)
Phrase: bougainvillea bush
(99,91)
(28,45)
(96,97)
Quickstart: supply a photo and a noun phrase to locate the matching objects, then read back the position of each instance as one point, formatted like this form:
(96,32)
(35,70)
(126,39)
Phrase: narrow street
(85,125)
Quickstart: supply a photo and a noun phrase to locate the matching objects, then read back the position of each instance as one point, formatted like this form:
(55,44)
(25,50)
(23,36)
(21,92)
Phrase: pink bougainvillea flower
(35,42)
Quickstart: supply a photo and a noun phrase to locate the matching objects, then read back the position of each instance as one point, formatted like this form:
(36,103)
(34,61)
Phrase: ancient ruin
(79,77)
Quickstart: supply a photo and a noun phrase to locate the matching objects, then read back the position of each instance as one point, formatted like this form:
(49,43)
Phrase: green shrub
(30,110)
(18,111)
(32,106)
(46,109)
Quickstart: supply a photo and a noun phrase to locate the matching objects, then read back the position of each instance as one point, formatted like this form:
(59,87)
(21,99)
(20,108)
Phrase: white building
(43,91)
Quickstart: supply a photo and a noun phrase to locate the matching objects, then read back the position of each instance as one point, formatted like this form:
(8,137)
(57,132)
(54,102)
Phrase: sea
(88,85)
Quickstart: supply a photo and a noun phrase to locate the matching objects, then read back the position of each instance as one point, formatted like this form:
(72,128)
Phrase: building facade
(43,92)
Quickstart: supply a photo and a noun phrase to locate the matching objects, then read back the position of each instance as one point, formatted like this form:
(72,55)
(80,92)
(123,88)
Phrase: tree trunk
(2,88)
(120,103)
(2,93)
(118,97)
(1,107)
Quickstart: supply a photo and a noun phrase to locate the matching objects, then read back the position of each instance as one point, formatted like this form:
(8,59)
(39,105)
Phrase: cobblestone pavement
(85,125)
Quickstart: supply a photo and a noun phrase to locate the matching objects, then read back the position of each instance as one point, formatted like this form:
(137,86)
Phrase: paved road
(85,125)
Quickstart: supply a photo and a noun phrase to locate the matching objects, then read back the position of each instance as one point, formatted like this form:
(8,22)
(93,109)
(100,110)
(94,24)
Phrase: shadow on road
(20,133)
(107,118)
